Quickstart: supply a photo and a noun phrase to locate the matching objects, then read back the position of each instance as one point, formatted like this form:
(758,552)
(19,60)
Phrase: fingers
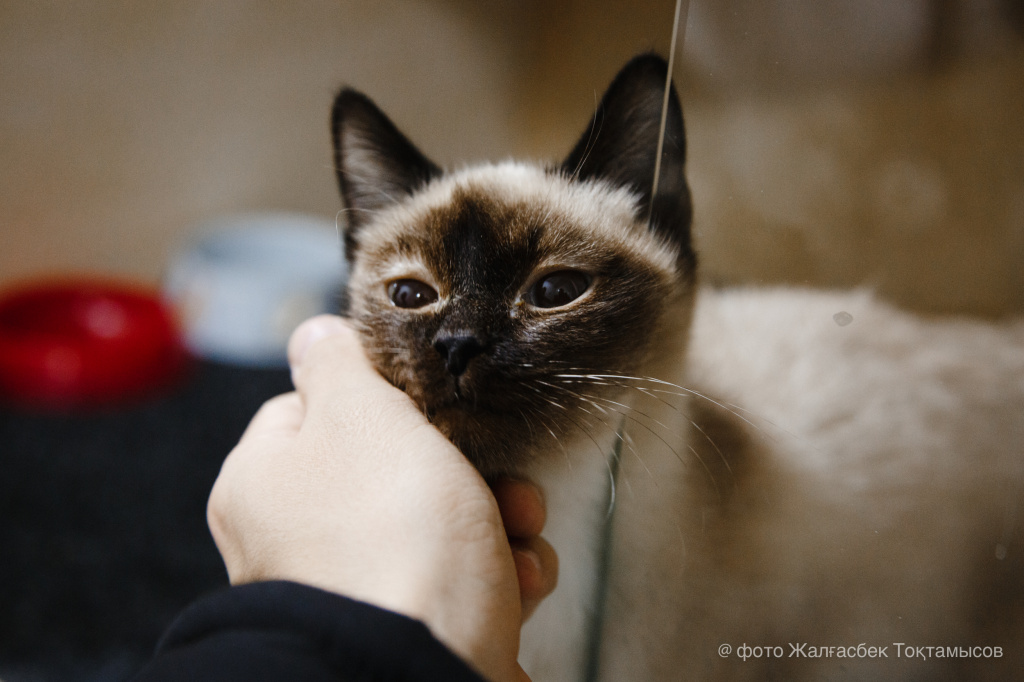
(536,570)
(521,505)
(281,414)
(522,511)
(329,344)
(330,370)
(313,330)
(271,431)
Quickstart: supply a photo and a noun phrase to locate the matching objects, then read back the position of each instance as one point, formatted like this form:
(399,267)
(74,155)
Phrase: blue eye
(558,288)
(411,293)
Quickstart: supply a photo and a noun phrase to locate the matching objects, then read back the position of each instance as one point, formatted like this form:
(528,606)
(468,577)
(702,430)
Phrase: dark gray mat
(103,534)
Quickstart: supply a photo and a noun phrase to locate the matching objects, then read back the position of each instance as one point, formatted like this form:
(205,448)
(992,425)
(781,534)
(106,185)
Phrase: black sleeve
(273,631)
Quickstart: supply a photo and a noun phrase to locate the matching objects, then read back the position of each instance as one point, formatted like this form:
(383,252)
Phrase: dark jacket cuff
(287,631)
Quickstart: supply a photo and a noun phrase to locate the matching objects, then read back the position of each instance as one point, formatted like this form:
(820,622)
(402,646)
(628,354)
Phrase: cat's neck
(577,480)
(599,509)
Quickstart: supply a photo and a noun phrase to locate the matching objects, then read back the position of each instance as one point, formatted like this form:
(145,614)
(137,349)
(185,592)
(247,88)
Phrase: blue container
(250,280)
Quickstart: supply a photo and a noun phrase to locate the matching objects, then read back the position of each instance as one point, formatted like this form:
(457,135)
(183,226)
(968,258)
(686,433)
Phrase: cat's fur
(782,478)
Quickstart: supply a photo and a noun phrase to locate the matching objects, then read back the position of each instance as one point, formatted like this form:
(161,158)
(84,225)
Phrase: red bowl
(78,343)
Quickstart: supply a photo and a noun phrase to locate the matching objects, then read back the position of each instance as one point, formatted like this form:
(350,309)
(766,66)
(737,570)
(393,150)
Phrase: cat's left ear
(377,165)
(620,146)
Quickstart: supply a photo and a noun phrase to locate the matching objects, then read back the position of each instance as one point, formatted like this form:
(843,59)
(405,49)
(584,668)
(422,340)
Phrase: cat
(741,484)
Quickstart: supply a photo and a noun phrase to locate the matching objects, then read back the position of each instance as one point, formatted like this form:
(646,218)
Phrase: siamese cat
(776,484)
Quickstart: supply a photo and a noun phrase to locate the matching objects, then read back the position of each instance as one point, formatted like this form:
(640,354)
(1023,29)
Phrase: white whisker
(683,389)
(626,414)
(606,424)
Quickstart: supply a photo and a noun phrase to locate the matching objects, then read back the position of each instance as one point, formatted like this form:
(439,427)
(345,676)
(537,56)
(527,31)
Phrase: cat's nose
(457,351)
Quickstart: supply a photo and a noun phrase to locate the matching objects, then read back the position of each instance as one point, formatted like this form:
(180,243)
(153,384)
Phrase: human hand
(344,485)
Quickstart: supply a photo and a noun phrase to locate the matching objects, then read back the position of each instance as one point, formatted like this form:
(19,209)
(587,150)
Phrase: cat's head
(479,291)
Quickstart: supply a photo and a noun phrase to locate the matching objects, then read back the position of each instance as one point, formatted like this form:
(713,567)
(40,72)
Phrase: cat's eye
(558,288)
(411,293)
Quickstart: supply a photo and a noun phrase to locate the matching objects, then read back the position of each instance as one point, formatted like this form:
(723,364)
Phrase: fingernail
(528,567)
(309,332)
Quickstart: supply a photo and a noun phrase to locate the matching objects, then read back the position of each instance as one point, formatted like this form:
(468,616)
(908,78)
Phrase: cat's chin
(494,443)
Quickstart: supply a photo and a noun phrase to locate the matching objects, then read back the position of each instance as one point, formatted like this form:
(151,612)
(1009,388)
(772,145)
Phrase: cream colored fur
(872,497)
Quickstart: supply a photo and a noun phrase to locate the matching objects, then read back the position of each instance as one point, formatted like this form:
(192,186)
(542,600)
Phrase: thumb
(330,368)
(309,332)
(324,353)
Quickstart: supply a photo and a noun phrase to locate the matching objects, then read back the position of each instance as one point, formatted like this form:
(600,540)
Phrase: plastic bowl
(249,280)
(85,342)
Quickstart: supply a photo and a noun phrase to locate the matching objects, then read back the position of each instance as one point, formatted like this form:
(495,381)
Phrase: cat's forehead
(514,207)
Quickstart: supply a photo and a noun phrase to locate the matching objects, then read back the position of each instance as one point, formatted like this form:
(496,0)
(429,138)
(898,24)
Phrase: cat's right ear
(620,146)
(376,164)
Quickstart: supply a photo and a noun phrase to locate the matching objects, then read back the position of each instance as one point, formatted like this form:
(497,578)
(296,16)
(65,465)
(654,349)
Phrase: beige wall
(124,123)
(832,142)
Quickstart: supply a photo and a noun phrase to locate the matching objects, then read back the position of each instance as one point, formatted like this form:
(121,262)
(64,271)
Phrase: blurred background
(832,143)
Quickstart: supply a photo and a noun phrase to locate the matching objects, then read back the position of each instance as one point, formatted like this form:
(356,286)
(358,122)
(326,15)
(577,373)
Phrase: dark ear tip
(348,97)
(348,102)
(648,61)
(391,165)
(649,68)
